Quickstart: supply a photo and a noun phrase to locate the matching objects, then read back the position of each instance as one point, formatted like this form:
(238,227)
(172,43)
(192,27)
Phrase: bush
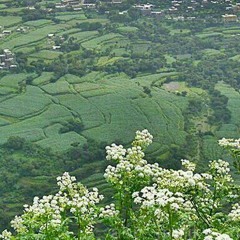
(150,203)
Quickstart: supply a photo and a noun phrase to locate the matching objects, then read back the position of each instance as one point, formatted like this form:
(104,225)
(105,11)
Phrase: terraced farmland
(110,107)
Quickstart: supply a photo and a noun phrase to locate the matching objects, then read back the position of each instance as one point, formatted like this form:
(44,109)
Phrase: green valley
(76,76)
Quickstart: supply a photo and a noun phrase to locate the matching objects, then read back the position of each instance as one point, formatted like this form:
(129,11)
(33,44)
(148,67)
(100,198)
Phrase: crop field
(62,142)
(67,17)
(210,149)
(46,54)
(96,42)
(127,29)
(30,102)
(104,103)
(60,87)
(38,23)
(234,107)
(13,80)
(83,36)
(9,21)
(43,79)
(32,37)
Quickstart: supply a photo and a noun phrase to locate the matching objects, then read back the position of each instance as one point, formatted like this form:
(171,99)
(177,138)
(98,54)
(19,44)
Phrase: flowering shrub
(150,203)
(233,145)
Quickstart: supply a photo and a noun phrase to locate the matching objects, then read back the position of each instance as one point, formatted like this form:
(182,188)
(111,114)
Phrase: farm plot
(6,90)
(121,113)
(102,61)
(10,20)
(147,80)
(38,23)
(62,142)
(69,16)
(26,104)
(228,131)
(3,122)
(233,101)
(127,29)
(39,124)
(122,85)
(96,42)
(59,87)
(13,80)
(210,149)
(43,79)
(91,77)
(209,34)
(46,54)
(33,36)
(82,36)
(31,134)
(231,130)
(81,107)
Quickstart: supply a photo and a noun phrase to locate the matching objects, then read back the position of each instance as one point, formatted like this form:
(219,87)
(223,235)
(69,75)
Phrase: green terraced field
(111,107)
(234,106)
(67,17)
(96,42)
(9,21)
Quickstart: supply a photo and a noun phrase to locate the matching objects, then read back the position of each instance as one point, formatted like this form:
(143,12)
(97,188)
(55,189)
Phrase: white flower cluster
(17,224)
(221,172)
(153,197)
(130,169)
(227,142)
(220,167)
(212,235)
(115,152)
(234,215)
(135,154)
(131,164)
(83,203)
(6,235)
(72,196)
(143,138)
(177,234)
(65,181)
(182,180)
(188,165)
(108,211)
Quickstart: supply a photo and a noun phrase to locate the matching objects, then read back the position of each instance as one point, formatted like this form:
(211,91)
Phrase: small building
(229,18)
(116,1)
(56,47)
(6,32)
(50,35)
(7,60)
(145,8)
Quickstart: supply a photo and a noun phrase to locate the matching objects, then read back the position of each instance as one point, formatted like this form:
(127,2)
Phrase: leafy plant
(150,202)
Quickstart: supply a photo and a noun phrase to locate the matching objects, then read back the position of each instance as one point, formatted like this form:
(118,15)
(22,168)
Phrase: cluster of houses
(147,9)
(77,5)
(194,5)
(7,60)
(178,6)
(7,32)
(73,4)
(51,41)
(177,9)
